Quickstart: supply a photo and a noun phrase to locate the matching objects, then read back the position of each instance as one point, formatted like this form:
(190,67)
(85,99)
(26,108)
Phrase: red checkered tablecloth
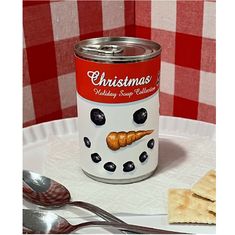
(185,29)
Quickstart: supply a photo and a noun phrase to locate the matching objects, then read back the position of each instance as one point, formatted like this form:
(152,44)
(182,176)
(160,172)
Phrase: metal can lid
(117,49)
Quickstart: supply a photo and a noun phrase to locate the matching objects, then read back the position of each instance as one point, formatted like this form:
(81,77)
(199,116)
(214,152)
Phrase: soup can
(117,83)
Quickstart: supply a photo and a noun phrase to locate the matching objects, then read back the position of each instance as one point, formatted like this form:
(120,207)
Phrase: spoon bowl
(35,221)
(44,191)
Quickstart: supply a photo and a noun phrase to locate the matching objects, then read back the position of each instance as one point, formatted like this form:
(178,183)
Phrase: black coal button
(95,157)
(98,117)
(150,144)
(143,156)
(110,166)
(128,166)
(140,116)
(87,142)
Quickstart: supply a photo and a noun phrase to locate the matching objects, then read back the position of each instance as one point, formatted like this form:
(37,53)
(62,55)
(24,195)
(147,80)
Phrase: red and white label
(117,82)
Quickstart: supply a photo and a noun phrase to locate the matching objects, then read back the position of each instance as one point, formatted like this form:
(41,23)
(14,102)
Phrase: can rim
(79,52)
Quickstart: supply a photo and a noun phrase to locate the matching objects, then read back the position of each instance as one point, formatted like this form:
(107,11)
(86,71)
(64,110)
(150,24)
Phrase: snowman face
(118,141)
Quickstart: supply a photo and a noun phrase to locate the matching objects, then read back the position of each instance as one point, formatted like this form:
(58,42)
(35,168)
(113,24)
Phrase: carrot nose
(116,140)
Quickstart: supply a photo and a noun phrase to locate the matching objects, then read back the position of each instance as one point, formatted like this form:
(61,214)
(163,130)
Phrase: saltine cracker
(206,186)
(185,207)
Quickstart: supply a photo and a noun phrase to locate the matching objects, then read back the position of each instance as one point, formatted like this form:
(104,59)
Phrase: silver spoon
(35,221)
(46,192)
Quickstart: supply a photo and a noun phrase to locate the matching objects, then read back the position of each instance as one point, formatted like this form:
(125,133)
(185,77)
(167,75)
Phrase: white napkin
(182,162)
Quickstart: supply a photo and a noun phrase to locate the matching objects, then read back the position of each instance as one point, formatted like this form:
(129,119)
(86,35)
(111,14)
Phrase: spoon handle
(98,211)
(123,226)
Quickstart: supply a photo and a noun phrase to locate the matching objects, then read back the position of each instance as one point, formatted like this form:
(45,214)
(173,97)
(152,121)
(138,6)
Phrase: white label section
(119,117)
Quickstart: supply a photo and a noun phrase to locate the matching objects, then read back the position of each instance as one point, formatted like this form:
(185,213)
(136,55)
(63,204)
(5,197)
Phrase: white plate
(35,139)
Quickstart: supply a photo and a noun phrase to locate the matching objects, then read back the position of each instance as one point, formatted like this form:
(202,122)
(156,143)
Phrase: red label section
(117,83)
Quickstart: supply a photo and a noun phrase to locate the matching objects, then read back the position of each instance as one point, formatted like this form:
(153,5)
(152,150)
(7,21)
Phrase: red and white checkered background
(185,29)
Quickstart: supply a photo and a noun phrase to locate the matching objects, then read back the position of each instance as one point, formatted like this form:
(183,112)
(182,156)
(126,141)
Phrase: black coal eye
(97,116)
(95,157)
(143,156)
(150,144)
(128,166)
(109,166)
(87,142)
(140,116)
